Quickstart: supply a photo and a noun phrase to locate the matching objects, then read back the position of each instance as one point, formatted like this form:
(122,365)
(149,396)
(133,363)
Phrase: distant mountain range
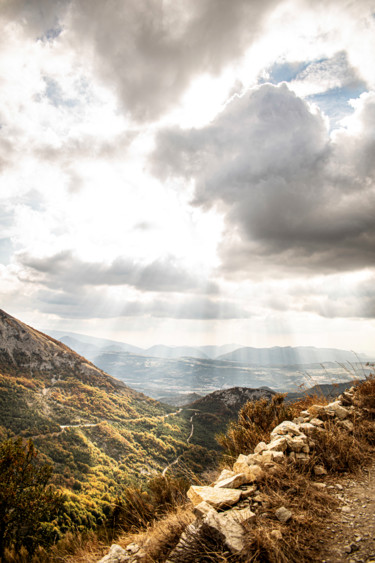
(165,372)
(96,346)
(286,356)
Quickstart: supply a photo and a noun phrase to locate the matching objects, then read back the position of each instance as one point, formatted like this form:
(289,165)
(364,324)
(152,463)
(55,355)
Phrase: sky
(190,171)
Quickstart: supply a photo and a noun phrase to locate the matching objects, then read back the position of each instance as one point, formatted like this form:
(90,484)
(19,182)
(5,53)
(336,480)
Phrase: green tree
(27,504)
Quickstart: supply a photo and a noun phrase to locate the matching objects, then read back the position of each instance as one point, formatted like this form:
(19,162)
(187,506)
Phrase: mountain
(229,401)
(287,356)
(175,352)
(97,432)
(99,344)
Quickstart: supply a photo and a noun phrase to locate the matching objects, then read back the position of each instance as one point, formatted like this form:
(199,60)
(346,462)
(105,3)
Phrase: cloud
(294,198)
(149,51)
(81,304)
(65,271)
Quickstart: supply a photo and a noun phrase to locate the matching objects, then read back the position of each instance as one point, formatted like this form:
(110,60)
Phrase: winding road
(187,441)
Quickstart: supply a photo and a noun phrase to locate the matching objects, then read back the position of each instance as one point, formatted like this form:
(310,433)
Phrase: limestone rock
(346,425)
(225,474)
(286,427)
(115,555)
(317,422)
(252,472)
(260,447)
(272,456)
(297,443)
(216,497)
(277,444)
(320,470)
(339,411)
(228,524)
(276,534)
(283,514)
(201,509)
(248,492)
(233,482)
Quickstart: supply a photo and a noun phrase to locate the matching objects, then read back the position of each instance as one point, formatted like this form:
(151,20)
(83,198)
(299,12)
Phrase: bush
(256,421)
(27,505)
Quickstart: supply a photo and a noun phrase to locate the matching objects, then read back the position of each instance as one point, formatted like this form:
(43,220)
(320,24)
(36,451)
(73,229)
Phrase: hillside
(98,433)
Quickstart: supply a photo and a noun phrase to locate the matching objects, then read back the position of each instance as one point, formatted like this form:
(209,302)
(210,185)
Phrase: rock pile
(234,498)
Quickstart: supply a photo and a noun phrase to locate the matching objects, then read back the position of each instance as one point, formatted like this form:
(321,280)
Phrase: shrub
(256,421)
(27,505)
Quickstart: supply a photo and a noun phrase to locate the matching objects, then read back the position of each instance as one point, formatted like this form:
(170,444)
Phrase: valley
(171,378)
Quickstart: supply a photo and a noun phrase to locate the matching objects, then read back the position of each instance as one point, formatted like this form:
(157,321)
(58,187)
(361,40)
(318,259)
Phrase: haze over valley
(164,372)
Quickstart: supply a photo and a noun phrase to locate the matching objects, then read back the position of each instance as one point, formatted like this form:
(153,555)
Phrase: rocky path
(352,528)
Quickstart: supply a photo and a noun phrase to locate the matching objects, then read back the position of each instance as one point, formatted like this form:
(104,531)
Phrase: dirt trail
(352,527)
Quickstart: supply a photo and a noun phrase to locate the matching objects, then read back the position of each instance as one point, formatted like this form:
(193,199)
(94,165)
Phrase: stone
(228,524)
(339,411)
(286,427)
(319,485)
(216,497)
(283,514)
(225,474)
(116,554)
(302,456)
(277,444)
(252,472)
(254,459)
(297,443)
(346,425)
(310,429)
(260,447)
(233,482)
(298,420)
(201,509)
(317,422)
(320,470)
(272,456)
(276,534)
(248,492)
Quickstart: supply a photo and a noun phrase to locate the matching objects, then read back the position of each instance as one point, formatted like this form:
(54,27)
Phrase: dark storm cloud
(150,50)
(65,271)
(292,197)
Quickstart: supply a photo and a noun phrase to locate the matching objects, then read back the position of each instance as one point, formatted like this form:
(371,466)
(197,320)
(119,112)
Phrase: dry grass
(162,535)
(256,421)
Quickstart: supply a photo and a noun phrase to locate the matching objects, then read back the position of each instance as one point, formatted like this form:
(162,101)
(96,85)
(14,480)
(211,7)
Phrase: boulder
(260,447)
(233,482)
(317,422)
(252,472)
(286,427)
(215,496)
(225,474)
(115,555)
(228,524)
(277,444)
(201,509)
(298,444)
(272,456)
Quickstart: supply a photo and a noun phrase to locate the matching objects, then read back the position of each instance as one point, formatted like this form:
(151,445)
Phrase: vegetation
(255,423)
(28,507)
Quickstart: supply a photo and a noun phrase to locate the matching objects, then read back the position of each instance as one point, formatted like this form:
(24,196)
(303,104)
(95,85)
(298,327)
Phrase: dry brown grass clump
(256,421)
(365,396)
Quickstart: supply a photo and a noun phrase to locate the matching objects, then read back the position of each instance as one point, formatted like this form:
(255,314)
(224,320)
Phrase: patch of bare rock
(234,498)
